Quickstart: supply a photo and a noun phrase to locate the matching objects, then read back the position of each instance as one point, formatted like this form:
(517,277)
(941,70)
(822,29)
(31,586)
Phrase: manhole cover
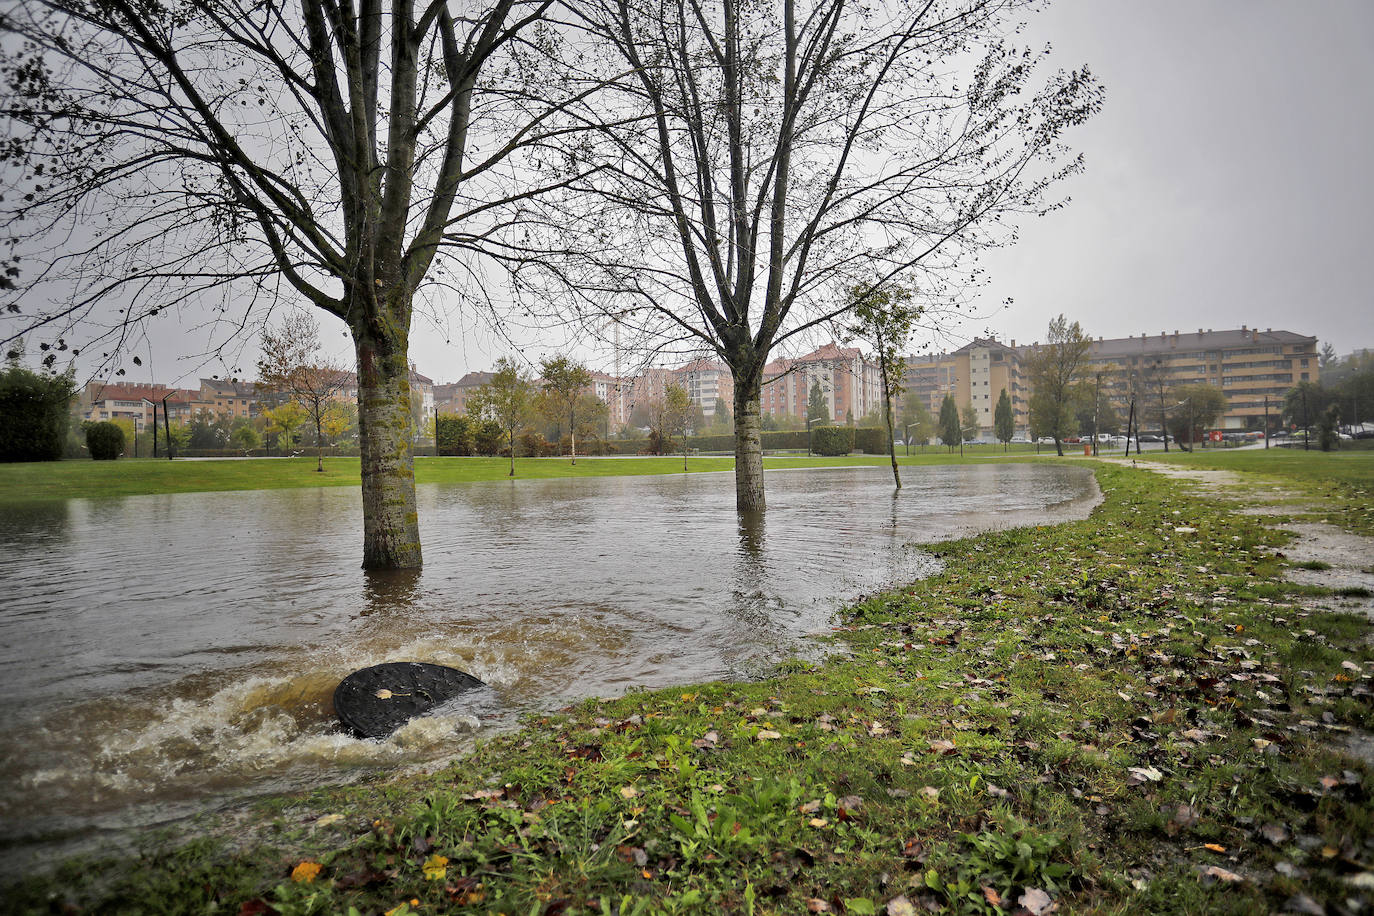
(375,701)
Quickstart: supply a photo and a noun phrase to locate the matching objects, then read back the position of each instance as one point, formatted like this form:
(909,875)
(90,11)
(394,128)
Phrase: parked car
(1150,437)
(1073,440)
(1045,440)
(1021,440)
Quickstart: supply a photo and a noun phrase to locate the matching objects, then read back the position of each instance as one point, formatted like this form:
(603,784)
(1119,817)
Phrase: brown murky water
(161,655)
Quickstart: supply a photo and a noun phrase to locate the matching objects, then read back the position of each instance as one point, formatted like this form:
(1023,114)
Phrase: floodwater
(163,655)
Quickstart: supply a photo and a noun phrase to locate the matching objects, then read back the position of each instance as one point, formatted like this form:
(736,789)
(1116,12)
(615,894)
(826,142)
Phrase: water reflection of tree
(387,591)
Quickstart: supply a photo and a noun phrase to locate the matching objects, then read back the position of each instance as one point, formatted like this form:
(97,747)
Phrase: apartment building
(1247,364)
(706,381)
(453,397)
(125,401)
(851,384)
(975,374)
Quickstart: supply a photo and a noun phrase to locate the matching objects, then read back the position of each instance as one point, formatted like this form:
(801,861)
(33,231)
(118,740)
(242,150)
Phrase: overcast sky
(1228,175)
(1227,184)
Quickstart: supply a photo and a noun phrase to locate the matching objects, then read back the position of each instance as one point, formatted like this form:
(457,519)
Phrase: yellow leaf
(1215,847)
(435,868)
(305,872)
(383,694)
(628,792)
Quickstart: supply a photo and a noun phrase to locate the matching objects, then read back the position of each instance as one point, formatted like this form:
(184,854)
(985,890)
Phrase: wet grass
(1342,480)
(1116,714)
(130,477)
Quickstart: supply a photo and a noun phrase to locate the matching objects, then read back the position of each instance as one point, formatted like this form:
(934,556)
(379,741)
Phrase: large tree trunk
(386,426)
(748,448)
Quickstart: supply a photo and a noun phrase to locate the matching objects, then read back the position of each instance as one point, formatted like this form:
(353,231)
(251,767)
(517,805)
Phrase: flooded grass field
(164,654)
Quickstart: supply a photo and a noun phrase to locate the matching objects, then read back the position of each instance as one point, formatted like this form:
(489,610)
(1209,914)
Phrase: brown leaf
(817,905)
(942,747)
(991,896)
(913,849)
(1275,833)
(1216,872)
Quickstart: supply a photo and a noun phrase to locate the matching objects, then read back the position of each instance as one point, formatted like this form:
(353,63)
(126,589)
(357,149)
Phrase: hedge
(832,440)
(871,440)
(33,415)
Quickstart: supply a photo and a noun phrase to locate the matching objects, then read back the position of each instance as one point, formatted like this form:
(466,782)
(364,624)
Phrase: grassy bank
(132,477)
(1131,714)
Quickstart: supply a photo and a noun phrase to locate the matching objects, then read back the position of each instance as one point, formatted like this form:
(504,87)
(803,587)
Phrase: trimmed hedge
(104,440)
(832,440)
(770,439)
(871,440)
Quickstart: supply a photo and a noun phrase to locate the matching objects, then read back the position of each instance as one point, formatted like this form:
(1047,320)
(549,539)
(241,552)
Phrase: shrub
(531,444)
(871,440)
(456,434)
(33,414)
(832,440)
(104,440)
(487,438)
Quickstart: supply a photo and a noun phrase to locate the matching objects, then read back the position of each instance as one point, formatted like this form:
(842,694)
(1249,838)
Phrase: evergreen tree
(817,410)
(949,422)
(1003,422)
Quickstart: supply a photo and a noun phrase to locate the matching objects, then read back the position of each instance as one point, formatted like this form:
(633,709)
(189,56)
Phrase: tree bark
(748,448)
(391,526)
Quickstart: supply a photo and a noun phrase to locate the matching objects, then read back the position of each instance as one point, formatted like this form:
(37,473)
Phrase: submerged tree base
(1133,713)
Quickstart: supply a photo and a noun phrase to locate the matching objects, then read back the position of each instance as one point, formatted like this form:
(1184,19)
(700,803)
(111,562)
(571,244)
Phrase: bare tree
(294,364)
(763,159)
(1055,368)
(885,318)
(238,152)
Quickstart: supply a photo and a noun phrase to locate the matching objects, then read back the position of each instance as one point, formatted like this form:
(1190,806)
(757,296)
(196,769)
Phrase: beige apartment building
(1248,364)
(976,374)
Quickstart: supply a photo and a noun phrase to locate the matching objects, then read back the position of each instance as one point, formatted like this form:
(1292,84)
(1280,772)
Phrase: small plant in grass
(998,865)
(1312,564)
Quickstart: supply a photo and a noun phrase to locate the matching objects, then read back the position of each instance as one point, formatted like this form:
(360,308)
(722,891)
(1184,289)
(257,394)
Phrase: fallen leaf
(1275,833)
(1301,903)
(900,906)
(767,734)
(810,807)
(628,792)
(328,819)
(991,896)
(818,822)
(1143,774)
(435,868)
(1037,901)
(1215,847)
(930,792)
(305,872)
(383,694)
(1220,874)
(817,905)
(942,746)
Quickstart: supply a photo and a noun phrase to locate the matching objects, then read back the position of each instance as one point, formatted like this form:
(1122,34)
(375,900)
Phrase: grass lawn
(129,477)
(1129,714)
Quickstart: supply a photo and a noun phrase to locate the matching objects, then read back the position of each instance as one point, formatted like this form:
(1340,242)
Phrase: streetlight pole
(1266,421)
(1097,399)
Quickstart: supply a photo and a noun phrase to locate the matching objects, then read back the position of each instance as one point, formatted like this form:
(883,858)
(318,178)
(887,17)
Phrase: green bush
(104,440)
(456,434)
(871,440)
(488,438)
(832,440)
(33,414)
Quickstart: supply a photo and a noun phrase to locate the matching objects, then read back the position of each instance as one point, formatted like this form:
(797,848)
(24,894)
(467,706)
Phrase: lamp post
(906,434)
(1266,421)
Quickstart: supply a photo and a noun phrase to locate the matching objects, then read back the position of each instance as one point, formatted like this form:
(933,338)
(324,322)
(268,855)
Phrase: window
(1304,365)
